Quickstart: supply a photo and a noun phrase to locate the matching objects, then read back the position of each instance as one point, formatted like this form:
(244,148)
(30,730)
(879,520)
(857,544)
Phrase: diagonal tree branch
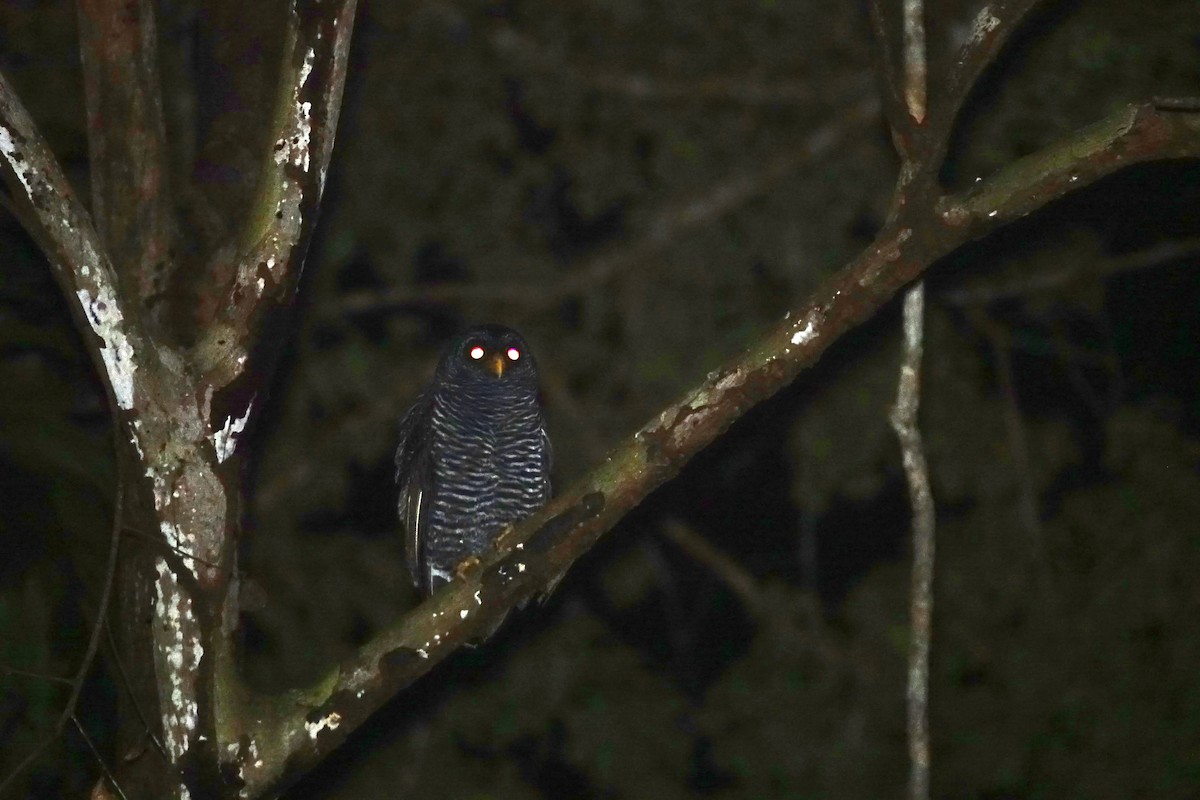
(268,255)
(993,26)
(80,264)
(127,150)
(889,71)
(1126,137)
(281,737)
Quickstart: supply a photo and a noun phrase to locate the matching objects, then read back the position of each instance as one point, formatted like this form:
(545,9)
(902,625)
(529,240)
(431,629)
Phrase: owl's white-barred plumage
(473,456)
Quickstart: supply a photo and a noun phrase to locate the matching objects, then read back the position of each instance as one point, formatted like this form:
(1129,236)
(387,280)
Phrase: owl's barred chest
(487,451)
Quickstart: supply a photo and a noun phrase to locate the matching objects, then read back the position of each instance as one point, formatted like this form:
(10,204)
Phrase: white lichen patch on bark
(18,164)
(177,657)
(225,440)
(985,23)
(306,67)
(332,721)
(190,504)
(136,439)
(184,544)
(181,541)
(234,753)
(805,330)
(359,678)
(804,335)
(253,749)
(295,145)
(104,315)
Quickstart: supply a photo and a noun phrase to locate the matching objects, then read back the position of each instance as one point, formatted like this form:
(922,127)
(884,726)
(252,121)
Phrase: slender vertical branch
(904,422)
(914,59)
(126,140)
(904,416)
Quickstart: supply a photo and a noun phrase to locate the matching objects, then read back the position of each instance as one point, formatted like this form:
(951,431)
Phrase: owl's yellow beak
(496,364)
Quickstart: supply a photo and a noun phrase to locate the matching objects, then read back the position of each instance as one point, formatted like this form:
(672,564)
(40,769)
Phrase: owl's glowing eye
(475,352)
(513,354)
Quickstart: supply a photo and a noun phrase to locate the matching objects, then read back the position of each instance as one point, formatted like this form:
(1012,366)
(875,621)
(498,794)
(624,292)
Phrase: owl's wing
(414,474)
(547,462)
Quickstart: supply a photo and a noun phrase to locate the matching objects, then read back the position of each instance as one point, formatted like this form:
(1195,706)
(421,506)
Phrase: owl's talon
(465,567)
(499,541)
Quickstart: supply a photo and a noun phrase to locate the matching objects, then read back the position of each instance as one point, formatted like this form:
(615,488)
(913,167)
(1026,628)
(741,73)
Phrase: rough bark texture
(181,409)
(183,398)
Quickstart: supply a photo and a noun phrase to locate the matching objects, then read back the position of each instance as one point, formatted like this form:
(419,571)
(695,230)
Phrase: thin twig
(1185,104)
(722,198)
(740,582)
(37,676)
(85,664)
(904,421)
(99,759)
(133,698)
(1150,258)
(158,541)
(1027,498)
(510,43)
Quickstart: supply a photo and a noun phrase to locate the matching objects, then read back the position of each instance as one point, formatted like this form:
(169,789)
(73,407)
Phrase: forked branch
(303,727)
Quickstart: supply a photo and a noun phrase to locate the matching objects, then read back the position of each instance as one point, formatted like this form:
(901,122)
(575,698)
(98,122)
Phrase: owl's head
(489,353)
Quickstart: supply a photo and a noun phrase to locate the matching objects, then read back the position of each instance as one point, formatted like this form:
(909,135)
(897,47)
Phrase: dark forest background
(581,148)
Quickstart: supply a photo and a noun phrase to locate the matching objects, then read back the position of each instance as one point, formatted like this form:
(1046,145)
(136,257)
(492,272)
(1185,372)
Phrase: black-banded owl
(473,456)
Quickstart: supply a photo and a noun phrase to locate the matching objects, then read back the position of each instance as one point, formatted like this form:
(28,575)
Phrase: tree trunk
(183,387)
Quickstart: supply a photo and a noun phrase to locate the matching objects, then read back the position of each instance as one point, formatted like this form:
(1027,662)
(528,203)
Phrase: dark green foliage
(508,146)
